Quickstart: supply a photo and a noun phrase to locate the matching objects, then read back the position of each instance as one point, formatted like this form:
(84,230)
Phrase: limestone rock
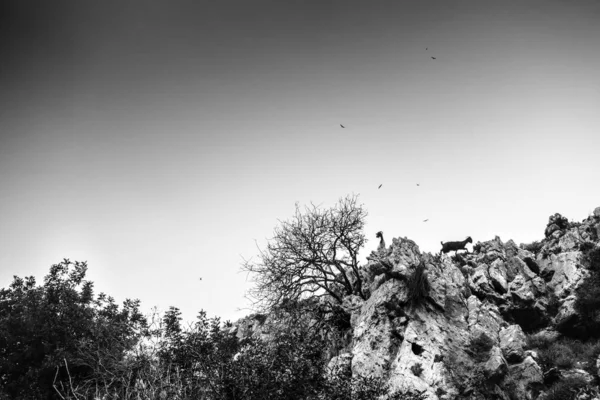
(567,272)
(570,241)
(512,343)
(498,276)
(495,367)
(528,377)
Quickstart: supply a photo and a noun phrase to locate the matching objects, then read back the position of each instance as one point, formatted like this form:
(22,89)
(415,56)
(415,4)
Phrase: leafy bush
(418,285)
(539,341)
(558,354)
(417,369)
(59,333)
(464,374)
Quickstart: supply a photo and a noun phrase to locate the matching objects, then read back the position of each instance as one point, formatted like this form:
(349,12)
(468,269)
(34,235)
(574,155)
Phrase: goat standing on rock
(381,247)
(455,246)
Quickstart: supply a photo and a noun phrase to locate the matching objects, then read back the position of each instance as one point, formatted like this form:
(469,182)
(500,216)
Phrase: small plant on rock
(418,285)
(417,369)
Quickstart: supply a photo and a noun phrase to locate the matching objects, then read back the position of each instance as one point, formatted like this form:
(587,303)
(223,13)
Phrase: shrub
(538,341)
(558,354)
(417,369)
(565,389)
(418,285)
(59,332)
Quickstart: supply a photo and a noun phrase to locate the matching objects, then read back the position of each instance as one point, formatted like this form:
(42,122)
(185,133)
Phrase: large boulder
(495,368)
(512,343)
(566,271)
(528,377)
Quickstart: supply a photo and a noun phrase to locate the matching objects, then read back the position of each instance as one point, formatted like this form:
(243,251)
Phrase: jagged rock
(550,229)
(484,300)
(479,282)
(570,241)
(597,212)
(567,272)
(519,267)
(512,343)
(490,250)
(498,276)
(352,305)
(405,251)
(528,377)
(522,290)
(373,343)
(495,367)
(483,317)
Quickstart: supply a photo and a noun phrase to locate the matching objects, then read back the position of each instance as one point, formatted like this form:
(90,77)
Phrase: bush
(417,369)
(539,341)
(565,389)
(418,285)
(59,333)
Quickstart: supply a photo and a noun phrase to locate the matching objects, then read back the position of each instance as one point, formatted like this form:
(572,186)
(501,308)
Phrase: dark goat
(381,247)
(455,246)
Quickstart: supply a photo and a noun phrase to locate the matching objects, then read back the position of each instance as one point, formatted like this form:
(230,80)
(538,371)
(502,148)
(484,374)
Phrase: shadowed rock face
(468,334)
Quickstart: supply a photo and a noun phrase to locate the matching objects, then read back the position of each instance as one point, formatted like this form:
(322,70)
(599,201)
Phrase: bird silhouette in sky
(380,186)
(418,184)
(426,48)
(342,126)
(426,220)
(433,58)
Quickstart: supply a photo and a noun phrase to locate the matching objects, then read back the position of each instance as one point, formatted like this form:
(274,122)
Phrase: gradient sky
(161,141)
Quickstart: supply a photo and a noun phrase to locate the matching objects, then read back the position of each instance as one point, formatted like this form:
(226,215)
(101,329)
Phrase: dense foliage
(59,330)
(58,340)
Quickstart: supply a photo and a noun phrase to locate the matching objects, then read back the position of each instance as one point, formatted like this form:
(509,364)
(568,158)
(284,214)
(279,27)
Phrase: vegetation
(588,295)
(417,369)
(315,254)
(59,341)
(565,389)
(418,285)
(59,332)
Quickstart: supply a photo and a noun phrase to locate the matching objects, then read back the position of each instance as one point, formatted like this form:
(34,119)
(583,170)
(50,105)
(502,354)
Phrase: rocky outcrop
(467,337)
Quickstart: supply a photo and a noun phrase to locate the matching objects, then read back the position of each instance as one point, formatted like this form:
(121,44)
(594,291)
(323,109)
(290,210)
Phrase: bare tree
(313,254)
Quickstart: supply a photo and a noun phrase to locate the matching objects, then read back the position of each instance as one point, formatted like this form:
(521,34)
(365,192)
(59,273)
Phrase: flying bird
(433,58)
(426,48)
(426,220)
(380,186)
(418,184)
(342,126)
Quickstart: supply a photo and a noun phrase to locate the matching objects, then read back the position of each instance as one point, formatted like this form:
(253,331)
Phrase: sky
(162,142)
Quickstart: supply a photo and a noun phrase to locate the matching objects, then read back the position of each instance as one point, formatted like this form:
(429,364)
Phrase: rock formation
(468,338)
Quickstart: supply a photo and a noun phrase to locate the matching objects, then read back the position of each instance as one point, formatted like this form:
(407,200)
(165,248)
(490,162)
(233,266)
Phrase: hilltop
(503,321)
